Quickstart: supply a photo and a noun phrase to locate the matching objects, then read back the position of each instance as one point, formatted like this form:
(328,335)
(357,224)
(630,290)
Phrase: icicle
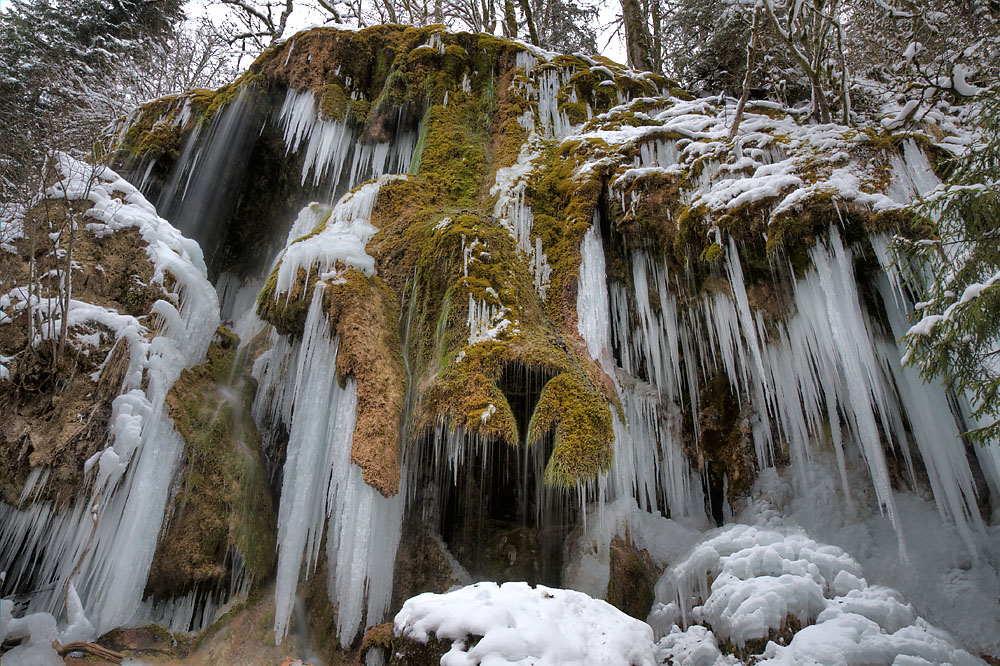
(593,314)
(321,486)
(328,142)
(135,472)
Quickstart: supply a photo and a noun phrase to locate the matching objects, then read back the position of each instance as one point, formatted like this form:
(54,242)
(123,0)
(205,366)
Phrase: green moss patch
(224,502)
(581,422)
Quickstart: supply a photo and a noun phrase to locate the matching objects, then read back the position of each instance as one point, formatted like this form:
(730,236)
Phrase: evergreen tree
(957,338)
(60,61)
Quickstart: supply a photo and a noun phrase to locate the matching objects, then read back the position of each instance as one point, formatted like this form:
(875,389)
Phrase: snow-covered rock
(757,584)
(519,624)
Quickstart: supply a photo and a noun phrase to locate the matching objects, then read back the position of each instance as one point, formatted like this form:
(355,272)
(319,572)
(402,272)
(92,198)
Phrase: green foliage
(58,69)
(956,339)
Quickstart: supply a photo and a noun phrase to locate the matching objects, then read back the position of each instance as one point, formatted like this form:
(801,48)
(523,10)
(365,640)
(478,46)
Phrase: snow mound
(765,582)
(524,625)
(35,633)
(695,647)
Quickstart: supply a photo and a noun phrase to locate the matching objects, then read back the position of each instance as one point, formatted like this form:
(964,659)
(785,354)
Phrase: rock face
(475,294)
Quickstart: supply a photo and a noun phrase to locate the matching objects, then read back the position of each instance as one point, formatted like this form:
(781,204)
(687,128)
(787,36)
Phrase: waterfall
(755,392)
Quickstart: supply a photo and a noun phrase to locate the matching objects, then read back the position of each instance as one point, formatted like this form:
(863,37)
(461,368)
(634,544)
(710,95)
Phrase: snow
(486,321)
(515,215)
(944,582)
(133,483)
(749,582)
(522,625)
(776,164)
(35,632)
(695,647)
(11,226)
(959,73)
(341,241)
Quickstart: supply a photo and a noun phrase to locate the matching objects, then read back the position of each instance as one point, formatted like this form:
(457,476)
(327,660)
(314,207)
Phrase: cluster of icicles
(828,364)
(825,365)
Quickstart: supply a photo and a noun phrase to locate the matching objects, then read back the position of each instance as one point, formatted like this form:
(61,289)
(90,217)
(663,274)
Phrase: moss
(333,102)
(575,112)
(224,501)
(153,133)
(228,93)
(407,652)
(453,156)
(286,312)
(378,637)
(363,313)
(395,94)
(712,254)
(563,206)
(650,219)
(583,433)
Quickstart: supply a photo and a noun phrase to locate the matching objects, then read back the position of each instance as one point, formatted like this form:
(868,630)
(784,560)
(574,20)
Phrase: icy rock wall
(323,492)
(826,373)
(104,544)
(823,375)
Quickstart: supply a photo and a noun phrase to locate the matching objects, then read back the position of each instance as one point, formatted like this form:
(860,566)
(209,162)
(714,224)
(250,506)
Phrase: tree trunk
(751,63)
(532,32)
(509,19)
(657,35)
(67,286)
(636,36)
(489,16)
(390,11)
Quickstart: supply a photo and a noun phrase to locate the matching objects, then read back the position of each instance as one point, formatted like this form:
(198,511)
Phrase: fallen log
(89,648)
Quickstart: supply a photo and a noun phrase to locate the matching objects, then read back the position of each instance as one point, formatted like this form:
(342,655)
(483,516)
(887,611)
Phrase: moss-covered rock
(224,503)
(57,407)
(581,422)
(363,314)
(632,577)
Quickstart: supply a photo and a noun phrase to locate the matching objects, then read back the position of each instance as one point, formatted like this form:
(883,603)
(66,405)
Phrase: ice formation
(819,386)
(35,631)
(338,238)
(328,143)
(130,482)
(322,490)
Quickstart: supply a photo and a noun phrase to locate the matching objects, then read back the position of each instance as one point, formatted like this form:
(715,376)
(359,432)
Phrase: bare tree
(751,65)
(263,22)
